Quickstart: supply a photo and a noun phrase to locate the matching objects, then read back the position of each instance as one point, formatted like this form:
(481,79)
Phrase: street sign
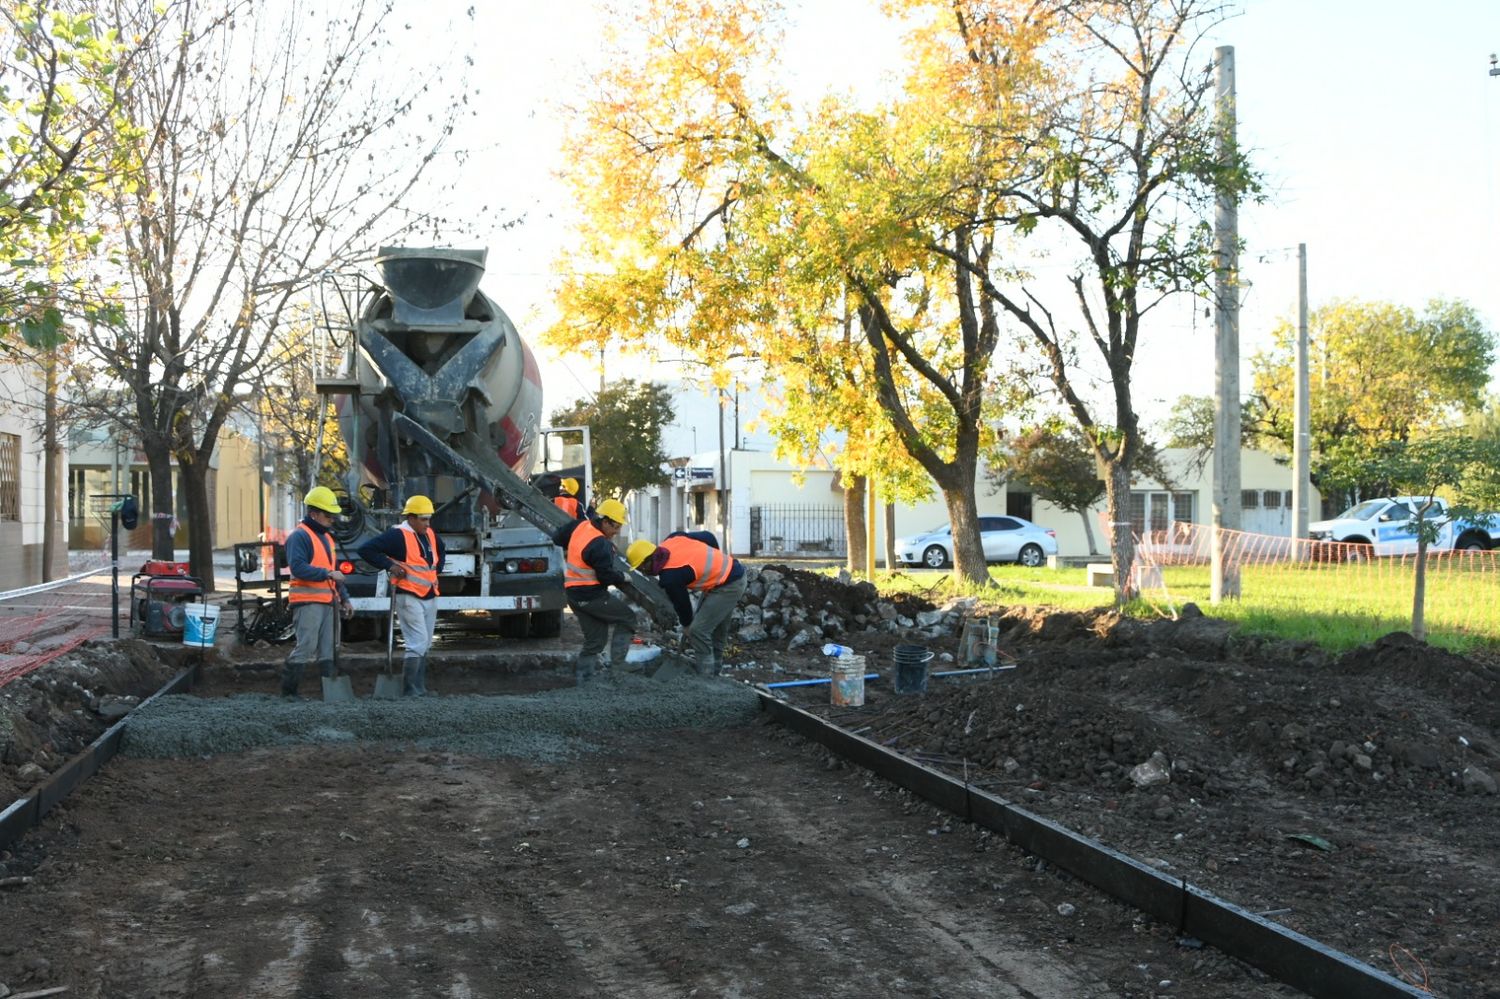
(700,472)
(679,474)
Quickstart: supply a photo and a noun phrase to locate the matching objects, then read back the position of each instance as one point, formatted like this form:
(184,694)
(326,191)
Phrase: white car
(1005,539)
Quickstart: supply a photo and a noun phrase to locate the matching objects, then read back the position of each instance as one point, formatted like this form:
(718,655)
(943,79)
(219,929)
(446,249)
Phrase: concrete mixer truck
(438,395)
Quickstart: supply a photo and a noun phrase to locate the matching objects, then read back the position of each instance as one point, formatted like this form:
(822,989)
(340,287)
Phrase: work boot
(583,669)
(619,648)
(411,681)
(422,677)
(291,675)
(327,668)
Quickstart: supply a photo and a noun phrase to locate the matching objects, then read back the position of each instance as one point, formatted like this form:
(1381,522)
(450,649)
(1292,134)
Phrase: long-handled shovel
(388,683)
(337,687)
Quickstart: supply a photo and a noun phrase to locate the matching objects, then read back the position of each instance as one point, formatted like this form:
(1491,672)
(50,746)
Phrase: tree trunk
(199,519)
(1419,593)
(1088,532)
(1122,542)
(963,514)
(163,500)
(855,487)
(51,473)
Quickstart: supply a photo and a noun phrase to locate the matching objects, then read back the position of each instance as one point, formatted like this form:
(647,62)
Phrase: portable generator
(158,594)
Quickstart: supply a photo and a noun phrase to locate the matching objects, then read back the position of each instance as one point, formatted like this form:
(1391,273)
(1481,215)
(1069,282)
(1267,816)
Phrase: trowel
(337,688)
(388,683)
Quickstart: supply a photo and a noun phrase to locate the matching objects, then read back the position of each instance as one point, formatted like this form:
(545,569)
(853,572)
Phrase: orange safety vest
(306,591)
(578,572)
(711,565)
(421,575)
(569,505)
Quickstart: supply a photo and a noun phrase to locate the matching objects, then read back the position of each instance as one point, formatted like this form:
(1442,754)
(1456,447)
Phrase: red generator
(158,594)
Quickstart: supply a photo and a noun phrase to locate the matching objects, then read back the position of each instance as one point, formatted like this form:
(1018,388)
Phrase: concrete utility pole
(1302,435)
(1226,574)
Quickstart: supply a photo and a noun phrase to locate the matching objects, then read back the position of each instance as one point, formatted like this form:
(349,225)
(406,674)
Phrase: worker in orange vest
(688,563)
(567,499)
(592,566)
(316,587)
(412,553)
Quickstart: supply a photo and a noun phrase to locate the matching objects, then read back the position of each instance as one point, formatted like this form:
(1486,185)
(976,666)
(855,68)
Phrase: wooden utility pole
(1226,573)
(1302,435)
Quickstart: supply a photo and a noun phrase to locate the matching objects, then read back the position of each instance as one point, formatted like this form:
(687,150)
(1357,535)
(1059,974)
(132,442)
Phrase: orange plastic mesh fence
(40,623)
(1305,576)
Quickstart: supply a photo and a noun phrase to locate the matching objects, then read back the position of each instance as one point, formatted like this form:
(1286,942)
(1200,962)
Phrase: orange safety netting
(1328,577)
(40,623)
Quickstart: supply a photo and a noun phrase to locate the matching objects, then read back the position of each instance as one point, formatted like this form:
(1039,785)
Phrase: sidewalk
(132,560)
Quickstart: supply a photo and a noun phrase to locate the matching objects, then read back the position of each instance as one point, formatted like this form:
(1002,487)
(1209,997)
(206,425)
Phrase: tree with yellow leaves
(722,223)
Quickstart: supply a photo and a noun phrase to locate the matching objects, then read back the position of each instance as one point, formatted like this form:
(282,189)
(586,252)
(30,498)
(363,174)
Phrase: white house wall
(21,408)
(1259,471)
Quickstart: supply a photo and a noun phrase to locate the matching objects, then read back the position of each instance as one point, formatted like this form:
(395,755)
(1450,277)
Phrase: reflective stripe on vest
(568,505)
(711,565)
(307,591)
(421,575)
(578,572)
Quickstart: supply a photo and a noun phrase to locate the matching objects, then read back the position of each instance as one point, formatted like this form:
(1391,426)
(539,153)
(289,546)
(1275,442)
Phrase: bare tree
(270,149)
(1120,162)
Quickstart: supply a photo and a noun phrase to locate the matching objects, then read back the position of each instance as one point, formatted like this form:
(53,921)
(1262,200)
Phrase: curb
(1284,954)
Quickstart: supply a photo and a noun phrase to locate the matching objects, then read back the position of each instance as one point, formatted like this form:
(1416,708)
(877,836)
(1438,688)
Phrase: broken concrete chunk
(1154,771)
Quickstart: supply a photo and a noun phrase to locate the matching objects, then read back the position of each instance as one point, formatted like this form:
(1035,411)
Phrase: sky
(1376,123)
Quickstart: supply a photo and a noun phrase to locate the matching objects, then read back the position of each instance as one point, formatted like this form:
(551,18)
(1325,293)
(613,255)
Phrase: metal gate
(792,530)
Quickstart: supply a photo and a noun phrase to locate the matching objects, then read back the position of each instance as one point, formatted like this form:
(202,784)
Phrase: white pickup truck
(1388,524)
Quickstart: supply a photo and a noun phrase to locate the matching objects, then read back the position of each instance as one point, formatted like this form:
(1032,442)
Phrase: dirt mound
(50,715)
(846,598)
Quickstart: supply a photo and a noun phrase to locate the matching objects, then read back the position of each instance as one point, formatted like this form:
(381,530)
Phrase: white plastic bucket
(200,625)
(641,653)
(847,686)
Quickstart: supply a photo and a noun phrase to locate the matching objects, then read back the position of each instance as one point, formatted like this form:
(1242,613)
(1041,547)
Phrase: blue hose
(876,676)
(811,683)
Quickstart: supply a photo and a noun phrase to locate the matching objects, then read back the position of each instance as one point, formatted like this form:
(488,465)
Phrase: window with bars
(1158,511)
(1273,499)
(10,477)
(1250,499)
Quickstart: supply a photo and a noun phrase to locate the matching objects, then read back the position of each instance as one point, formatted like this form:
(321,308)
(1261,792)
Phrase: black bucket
(911,668)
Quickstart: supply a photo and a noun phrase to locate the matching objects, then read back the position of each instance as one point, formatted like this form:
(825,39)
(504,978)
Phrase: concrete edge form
(1284,954)
(26,813)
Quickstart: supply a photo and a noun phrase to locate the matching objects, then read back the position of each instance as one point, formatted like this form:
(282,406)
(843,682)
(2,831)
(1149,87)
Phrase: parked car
(1388,525)
(1005,539)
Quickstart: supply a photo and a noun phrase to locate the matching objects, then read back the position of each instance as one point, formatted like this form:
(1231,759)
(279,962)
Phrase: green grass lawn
(1337,606)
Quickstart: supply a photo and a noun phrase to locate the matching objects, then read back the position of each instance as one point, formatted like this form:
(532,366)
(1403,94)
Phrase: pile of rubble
(805,608)
(49,715)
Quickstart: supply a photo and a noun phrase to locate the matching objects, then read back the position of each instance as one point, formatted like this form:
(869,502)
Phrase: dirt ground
(1349,797)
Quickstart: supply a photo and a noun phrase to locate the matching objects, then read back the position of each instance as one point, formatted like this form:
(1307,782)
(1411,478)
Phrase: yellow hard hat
(570,486)
(322,498)
(419,505)
(614,510)
(638,552)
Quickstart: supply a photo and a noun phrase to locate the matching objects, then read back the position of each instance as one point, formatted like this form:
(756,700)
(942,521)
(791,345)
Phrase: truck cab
(1388,524)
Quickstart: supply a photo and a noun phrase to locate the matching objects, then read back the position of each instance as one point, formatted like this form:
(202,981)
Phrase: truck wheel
(1358,550)
(1471,543)
(546,624)
(359,628)
(513,625)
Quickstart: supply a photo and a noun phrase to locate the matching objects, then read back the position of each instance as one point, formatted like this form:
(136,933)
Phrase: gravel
(547,726)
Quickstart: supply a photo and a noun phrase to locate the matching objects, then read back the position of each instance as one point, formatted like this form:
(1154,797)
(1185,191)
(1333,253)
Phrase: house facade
(99,464)
(22,480)
(761,506)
